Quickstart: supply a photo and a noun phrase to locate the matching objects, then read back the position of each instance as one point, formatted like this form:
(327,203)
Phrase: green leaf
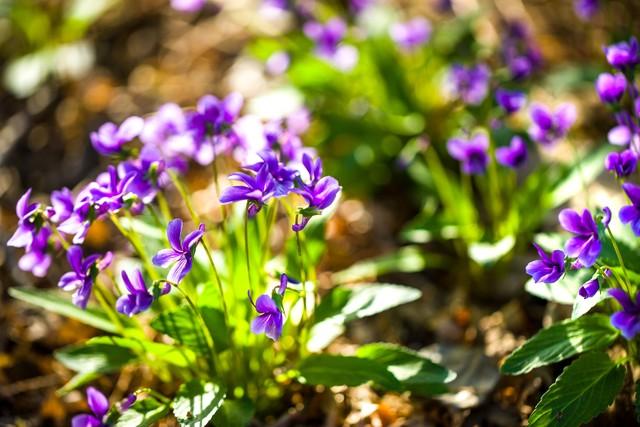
(180,325)
(331,370)
(59,303)
(582,306)
(488,253)
(92,357)
(583,390)
(143,413)
(78,381)
(564,291)
(197,402)
(342,305)
(406,260)
(171,354)
(415,372)
(559,342)
(234,413)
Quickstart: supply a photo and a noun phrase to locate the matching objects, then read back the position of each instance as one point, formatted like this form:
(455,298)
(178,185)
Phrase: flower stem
(303,277)
(137,245)
(619,255)
(246,247)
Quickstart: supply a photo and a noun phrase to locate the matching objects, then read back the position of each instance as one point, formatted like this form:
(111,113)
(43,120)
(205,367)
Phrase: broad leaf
(143,413)
(582,306)
(559,342)
(234,413)
(487,254)
(415,372)
(170,354)
(197,402)
(59,303)
(345,304)
(92,357)
(331,370)
(583,390)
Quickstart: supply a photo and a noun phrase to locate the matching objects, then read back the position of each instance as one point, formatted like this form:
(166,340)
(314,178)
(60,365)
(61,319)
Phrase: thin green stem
(303,277)
(246,247)
(137,245)
(614,243)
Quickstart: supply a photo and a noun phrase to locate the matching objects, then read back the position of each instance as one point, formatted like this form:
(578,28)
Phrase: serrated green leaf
(197,402)
(415,372)
(345,304)
(331,370)
(583,390)
(234,413)
(143,413)
(559,342)
(59,303)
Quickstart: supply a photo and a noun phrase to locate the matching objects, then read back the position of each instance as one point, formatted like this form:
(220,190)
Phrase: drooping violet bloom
(605,218)
(473,153)
(585,245)
(469,84)
(319,192)
(519,51)
(270,319)
(99,406)
(611,87)
(61,205)
(514,155)
(278,63)
(138,299)
(586,9)
(36,259)
(547,269)
(631,214)
(256,190)
(328,40)
(84,272)
(589,289)
(622,164)
(626,320)
(188,6)
(110,138)
(27,217)
(548,127)
(284,281)
(411,34)
(623,55)
(180,254)
(510,100)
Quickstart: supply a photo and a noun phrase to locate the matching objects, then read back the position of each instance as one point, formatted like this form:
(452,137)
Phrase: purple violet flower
(510,100)
(188,6)
(84,272)
(138,299)
(611,87)
(180,255)
(519,51)
(514,155)
(256,190)
(36,259)
(549,127)
(270,319)
(585,245)
(470,84)
(283,177)
(547,269)
(27,216)
(61,205)
(626,320)
(589,289)
(631,214)
(99,406)
(328,40)
(110,138)
(586,9)
(622,164)
(623,55)
(319,192)
(108,191)
(472,153)
(411,34)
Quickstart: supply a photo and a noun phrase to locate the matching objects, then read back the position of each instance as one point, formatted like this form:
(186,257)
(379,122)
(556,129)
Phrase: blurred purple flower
(278,63)
(110,138)
(631,214)
(548,127)
(510,100)
(470,84)
(519,51)
(411,34)
(611,87)
(358,6)
(328,40)
(589,289)
(622,164)
(256,190)
(62,205)
(270,319)
(188,6)
(27,215)
(547,269)
(138,299)
(180,254)
(36,259)
(586,9)
(514,155)
(84,271)
(585,245)
(473,153)
(623,55)
(626,320)
(99,406)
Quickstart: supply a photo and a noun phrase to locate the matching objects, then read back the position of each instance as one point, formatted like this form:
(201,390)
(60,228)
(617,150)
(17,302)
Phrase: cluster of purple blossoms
(469,84)
(519,51)
(412,34)
(328,39)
